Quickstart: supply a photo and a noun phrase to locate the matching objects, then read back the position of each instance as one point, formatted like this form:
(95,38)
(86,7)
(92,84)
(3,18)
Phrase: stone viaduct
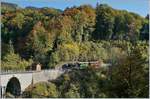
(18,81)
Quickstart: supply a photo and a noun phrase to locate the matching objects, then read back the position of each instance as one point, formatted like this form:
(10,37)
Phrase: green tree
(12,61)
(104,22)
(119,27)
(144,35)
(39,44)
(54,60)
(129,76)
(17,22)
(73,92)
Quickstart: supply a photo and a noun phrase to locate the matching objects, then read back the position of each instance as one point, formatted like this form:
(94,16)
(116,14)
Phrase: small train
(82,65)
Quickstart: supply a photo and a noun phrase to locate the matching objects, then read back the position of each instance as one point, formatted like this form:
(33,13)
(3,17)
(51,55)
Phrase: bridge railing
(15,71)
(2,72)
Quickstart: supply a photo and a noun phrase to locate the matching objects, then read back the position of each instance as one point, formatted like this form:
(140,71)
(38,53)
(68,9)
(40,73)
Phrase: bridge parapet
(46,75)
(14,72)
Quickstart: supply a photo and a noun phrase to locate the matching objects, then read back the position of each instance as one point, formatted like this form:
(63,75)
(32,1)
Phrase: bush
(42,90)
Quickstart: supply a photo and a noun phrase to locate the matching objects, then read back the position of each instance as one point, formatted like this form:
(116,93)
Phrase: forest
(50,36)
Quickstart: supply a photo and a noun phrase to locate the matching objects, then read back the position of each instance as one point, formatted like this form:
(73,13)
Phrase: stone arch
(13,86)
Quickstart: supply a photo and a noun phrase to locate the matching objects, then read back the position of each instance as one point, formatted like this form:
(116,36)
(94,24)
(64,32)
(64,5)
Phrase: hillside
(50,36)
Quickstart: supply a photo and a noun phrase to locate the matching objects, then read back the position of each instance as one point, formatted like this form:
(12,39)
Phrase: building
(36,67)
